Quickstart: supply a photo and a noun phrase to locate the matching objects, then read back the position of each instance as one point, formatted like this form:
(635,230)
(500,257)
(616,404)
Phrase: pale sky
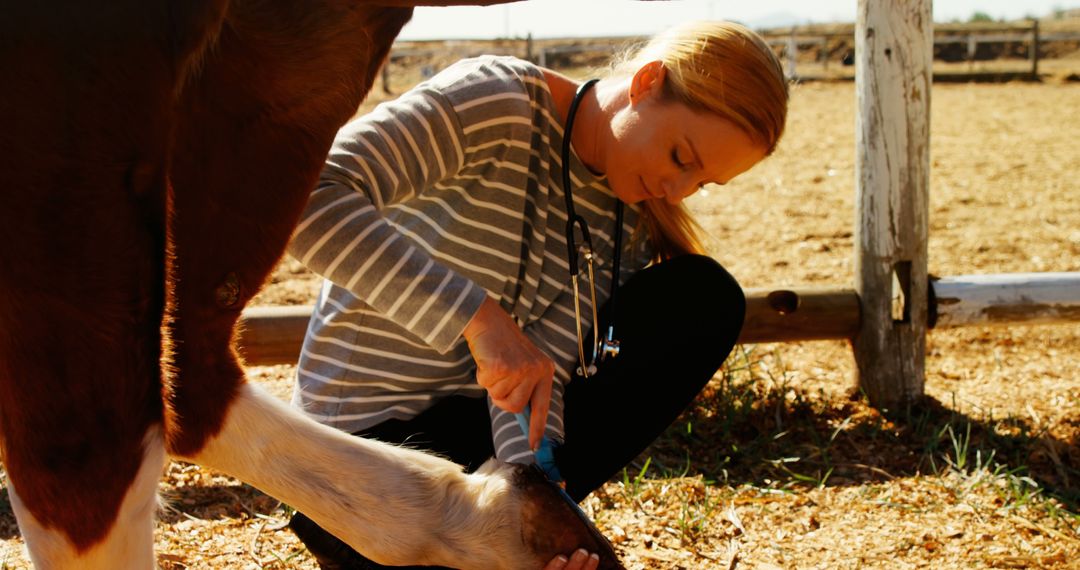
(567,18)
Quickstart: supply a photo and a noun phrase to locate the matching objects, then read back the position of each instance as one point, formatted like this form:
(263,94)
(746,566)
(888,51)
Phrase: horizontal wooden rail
(986,38)
(1000,299)
(273,335)
(782,315)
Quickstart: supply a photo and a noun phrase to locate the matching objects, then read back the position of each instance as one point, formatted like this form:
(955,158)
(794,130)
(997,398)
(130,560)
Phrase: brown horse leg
(255,131)
(86,124)
(80,409)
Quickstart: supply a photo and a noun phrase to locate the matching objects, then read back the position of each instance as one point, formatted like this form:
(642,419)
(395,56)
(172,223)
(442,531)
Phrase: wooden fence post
(386,75)
(893,75)
(792,55)
(1035,50)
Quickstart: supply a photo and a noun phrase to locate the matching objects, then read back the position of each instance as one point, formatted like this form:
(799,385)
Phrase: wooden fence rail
(794,40)
(273,335)
(1030,298)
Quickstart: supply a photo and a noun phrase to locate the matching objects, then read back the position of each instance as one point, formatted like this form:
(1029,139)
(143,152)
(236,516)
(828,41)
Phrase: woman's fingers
(508,364)
(499,386)
(579,560)
(512,392)
(523,389)
(539,402)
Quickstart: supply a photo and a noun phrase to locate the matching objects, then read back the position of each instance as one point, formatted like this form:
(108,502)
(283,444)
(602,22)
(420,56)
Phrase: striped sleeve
(508,437)
(384,158)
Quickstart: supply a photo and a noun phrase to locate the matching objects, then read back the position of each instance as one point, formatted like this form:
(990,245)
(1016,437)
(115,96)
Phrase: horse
(154,159)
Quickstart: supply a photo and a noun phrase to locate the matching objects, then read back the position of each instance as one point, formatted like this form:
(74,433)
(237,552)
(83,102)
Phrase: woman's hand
(510,367)
(579,560)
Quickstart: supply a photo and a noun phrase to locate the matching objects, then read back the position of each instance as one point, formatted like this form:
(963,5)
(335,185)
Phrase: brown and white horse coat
(154,158)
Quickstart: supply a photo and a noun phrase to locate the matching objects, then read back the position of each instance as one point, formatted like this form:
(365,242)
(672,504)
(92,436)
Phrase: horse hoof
(553,524)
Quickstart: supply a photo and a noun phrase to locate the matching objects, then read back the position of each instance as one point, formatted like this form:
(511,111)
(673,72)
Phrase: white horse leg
(395,505)
(130,542)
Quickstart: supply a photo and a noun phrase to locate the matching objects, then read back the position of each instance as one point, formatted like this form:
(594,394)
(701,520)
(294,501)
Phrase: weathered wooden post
(893,75)
(1035,50)
(386,76)
(792,55)
(972,47)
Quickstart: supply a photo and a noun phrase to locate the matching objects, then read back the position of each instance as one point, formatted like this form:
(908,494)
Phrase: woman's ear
(648,81)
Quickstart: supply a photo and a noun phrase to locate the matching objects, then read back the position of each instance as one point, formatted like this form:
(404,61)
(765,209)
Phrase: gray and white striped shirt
(427,204)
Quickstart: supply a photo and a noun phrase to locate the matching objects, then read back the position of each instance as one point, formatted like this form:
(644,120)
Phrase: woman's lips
(648,192)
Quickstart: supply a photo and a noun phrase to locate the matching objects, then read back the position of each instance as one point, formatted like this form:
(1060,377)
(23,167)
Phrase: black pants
(676,322)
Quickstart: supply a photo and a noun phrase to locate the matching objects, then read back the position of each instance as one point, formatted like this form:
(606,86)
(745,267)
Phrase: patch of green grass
(695,514)
(631,487)
(753,426)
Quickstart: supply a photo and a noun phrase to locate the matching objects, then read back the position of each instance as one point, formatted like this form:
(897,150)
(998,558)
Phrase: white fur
(395,505)
(130,542)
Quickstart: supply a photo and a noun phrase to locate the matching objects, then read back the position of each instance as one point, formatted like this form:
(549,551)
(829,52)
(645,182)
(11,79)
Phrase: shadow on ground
(209,502)
(745,429)
(742,430)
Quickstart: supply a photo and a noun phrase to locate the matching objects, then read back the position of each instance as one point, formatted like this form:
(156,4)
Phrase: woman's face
(661,149)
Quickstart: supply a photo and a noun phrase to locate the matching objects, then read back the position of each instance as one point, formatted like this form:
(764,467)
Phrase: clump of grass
(754,434)
(754,426)
(695,513)
(631,487)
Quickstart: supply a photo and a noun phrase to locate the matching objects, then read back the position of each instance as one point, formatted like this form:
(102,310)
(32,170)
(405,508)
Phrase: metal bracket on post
(901,293)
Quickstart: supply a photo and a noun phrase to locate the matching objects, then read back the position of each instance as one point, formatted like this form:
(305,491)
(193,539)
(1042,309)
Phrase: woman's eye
(675,158)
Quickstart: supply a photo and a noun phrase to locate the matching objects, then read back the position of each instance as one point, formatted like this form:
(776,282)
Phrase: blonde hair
(718,67)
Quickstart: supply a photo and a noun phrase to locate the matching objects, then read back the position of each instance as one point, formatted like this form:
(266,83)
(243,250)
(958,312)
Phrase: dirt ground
(780,464)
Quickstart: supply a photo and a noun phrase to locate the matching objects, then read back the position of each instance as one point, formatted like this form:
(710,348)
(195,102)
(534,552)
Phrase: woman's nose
(677,188)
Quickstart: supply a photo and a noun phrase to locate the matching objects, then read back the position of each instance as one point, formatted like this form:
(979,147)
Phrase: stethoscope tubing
(602,347)
(572,218)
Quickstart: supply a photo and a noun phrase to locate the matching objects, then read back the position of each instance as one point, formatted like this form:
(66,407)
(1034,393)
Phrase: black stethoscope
(607,347)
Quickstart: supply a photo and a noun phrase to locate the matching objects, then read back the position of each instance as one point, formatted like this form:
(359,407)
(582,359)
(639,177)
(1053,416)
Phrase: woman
(440,224)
